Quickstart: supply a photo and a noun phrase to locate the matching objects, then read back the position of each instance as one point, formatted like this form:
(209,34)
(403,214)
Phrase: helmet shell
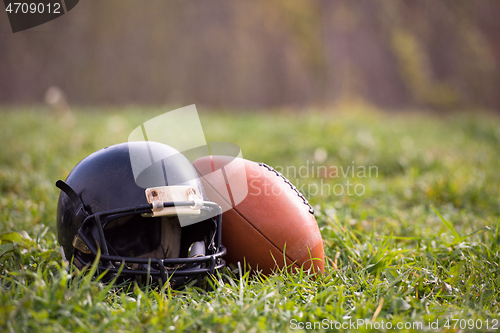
(107,179)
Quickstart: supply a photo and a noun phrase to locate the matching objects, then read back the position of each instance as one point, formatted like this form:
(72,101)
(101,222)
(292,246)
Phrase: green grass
(421,244)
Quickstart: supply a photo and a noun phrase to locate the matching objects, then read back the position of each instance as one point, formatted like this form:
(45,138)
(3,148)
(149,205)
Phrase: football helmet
(143,207)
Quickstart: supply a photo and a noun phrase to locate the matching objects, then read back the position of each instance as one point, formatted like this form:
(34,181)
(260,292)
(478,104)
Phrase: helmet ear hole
(191,234)
(197,249)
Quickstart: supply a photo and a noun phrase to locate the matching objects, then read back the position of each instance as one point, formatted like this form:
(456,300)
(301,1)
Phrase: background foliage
(251,54)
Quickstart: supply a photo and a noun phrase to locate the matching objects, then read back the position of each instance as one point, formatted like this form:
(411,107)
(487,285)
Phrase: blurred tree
(241,54)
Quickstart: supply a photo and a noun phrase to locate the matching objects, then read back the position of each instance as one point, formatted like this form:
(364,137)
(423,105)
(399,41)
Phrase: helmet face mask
(102,211)
(135,236)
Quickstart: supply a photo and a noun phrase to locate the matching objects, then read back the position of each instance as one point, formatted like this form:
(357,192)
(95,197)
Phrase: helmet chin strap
(80,213)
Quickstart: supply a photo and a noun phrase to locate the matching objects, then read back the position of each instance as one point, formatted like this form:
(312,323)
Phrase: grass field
(420,244)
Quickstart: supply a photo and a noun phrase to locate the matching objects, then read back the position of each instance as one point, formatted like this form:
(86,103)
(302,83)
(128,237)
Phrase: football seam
(293,187)
(294,262)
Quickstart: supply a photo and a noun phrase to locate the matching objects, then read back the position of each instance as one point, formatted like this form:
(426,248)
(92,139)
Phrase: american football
(273,226)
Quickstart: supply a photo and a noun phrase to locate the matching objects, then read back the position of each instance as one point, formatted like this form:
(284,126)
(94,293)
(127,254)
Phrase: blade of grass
(448,224)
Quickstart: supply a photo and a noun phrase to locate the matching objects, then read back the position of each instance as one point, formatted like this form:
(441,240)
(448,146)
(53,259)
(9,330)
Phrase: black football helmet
(142,205)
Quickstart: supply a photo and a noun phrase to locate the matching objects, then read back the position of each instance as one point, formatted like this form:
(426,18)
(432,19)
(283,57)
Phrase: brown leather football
(264,215)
